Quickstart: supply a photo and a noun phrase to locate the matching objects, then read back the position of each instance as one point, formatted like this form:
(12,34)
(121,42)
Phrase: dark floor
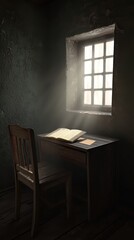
(54,225)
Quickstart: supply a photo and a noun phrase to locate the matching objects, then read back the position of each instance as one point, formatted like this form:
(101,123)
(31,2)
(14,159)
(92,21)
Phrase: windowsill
(90,112)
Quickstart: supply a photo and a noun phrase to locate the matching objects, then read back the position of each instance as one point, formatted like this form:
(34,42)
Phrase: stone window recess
(90,71)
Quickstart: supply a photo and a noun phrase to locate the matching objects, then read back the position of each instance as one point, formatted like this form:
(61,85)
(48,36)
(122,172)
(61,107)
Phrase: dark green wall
(33,74)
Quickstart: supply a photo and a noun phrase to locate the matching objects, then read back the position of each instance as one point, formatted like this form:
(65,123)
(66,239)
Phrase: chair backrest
(24,155)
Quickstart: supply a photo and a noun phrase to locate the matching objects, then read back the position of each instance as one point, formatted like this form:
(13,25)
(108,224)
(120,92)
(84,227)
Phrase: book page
(59,133)
(72,134)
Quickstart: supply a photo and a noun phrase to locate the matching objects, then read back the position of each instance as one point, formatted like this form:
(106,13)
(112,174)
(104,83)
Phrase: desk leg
(39,149)
(88,188)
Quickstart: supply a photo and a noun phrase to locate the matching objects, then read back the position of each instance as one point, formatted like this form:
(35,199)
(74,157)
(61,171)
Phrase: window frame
(80,103)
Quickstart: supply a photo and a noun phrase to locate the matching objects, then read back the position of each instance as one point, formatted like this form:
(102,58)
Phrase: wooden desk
(99,159)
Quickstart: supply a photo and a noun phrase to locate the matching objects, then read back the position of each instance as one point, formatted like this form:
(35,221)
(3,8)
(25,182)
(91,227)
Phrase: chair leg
(35,213)
(69,196)
(17,199)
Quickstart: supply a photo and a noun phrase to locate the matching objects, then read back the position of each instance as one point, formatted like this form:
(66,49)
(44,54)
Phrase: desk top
(98,141)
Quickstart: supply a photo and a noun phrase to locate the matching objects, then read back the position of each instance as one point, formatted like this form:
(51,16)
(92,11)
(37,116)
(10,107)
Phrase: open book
(65,134)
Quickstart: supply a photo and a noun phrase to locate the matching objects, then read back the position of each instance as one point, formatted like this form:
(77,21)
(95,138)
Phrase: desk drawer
(67,153)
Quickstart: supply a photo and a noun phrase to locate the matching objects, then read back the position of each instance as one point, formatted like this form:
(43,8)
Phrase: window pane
(87,82)
(109,64)
(98,81)
(109,48)
(99,50)
(98,66)
(108,97)
(98,97)
(108,80)
(88,52)
(87,97)
(87,67)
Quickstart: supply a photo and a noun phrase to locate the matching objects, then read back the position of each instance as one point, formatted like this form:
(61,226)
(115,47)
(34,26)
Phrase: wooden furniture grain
(38,176)
(99,160)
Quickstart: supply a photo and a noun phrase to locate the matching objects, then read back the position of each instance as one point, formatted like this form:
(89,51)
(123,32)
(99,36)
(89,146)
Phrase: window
(97,74)
(90,59)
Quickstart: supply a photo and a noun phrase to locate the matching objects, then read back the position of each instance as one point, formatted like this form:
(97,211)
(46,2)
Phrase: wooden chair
(37,176)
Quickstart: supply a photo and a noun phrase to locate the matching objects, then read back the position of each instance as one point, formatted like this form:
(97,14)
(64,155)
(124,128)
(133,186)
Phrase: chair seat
(49,173)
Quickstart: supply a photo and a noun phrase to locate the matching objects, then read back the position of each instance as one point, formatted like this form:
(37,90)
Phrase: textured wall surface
(22,82)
